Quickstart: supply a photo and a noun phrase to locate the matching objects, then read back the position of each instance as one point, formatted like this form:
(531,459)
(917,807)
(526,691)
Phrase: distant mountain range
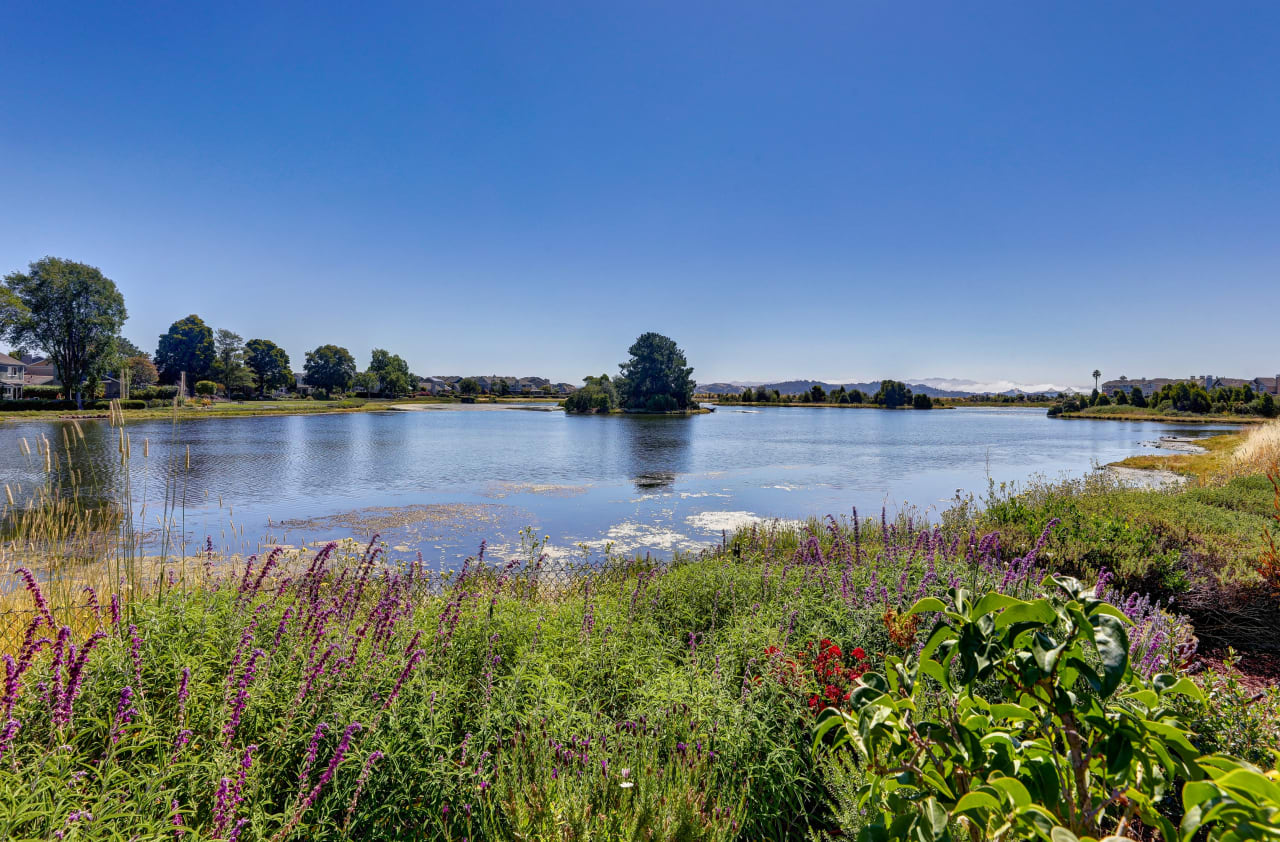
(934,387)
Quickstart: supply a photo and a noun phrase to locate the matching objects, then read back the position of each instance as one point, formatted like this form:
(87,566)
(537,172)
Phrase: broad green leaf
(993,601)
(1014,712)
(977,801)
(1061,834)
(928,604)
(1039,611)
(1113,648)
(1013,788)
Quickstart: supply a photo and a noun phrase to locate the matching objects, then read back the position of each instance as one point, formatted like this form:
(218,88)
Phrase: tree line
(73,313)
(1184,396)
(892,394)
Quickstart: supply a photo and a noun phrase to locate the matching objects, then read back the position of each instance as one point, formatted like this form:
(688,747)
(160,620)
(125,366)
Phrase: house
(434,386)
(1208,382)
(40,371)
(13,376)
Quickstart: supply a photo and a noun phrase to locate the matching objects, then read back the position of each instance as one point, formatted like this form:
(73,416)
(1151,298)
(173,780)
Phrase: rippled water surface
(440,480)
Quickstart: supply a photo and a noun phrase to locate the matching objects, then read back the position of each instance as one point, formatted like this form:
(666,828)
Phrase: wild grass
(1260,449)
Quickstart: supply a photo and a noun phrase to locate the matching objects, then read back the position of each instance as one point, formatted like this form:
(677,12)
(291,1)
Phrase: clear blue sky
(852,189)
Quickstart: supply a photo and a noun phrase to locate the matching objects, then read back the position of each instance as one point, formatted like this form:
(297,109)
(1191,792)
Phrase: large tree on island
(187,346)
(331,368)
(269,363)
(72,312)
(657,376)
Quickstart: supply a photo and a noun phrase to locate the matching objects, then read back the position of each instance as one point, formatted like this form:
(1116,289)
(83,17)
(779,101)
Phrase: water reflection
(658,448)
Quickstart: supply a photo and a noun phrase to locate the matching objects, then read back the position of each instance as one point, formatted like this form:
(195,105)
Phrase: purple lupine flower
(125,711)
(33,588)
(6,736)
(75,678)
(284,623)
(178,829)
(221,807)
(93,601)
(115,609)
(235,831)
(408,668)
(242,697)
(360,782)
(55,671)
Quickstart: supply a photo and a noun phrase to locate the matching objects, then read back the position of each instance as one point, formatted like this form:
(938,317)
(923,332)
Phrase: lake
(443,479)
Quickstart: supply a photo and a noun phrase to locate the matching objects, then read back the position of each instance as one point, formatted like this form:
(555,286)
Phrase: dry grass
(1259,450)
(1212,465)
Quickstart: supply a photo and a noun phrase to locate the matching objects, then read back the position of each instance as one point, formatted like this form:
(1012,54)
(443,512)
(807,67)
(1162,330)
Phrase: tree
(206,387)
(69,310)
(1122,399)
(1266,405)
(656,376)
(817,394)
(228,364)
(188,346)
(747,396)
(269,364)
(1136,398)
(367,382)
(142,372)
(392,373)
(892,394)
(502,388)
(1096,375)
(469,386)
(921,401)
(598,394)
(331,368)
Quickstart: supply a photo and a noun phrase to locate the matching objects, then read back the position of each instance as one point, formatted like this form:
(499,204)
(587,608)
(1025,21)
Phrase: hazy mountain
(934,387)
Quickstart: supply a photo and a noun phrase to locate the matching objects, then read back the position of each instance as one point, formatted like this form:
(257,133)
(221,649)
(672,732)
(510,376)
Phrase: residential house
(13,374)
(40,371)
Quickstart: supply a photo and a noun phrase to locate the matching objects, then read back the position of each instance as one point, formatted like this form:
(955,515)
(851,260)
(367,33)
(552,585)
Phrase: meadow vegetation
(795,681)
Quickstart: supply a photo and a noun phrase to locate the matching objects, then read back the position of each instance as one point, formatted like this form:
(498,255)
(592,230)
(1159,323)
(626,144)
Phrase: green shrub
(42,392)
(1024,719)
(206,387)
(23,405)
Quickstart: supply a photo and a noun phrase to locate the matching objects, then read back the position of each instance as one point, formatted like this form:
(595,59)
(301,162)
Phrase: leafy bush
(46,393)
(1027,718)
(206,387)
(921,401)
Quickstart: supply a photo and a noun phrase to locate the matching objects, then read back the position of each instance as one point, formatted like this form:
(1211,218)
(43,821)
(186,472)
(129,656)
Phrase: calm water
(440,480)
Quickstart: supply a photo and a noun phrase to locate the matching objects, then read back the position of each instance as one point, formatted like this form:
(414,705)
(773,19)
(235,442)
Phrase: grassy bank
(1116,412)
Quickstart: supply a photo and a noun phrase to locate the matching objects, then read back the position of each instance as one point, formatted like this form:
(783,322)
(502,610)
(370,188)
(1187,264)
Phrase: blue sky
(1005,190)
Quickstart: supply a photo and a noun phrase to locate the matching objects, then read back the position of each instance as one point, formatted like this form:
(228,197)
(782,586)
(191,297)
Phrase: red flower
(859,653)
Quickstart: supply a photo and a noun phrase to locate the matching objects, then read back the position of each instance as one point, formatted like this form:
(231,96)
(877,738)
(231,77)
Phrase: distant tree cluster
(1183,396)
(598,394)
(657,378)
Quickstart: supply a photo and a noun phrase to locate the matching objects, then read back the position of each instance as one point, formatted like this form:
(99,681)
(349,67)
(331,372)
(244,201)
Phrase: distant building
(13,375)
(1208,382)
(40,371)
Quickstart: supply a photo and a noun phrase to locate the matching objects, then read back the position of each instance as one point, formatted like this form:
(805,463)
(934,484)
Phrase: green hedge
(20,406)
